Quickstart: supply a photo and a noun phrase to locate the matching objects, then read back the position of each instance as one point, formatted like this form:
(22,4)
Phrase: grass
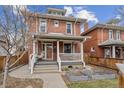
(113,83)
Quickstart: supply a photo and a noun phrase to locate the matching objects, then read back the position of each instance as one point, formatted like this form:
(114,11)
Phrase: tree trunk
(6,67)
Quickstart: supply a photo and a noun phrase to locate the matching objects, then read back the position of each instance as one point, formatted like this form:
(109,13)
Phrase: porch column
(57,51)
(113,52)
(82,54)
(121,51)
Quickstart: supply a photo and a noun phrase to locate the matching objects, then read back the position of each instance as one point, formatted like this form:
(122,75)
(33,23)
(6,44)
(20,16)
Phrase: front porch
(59,48)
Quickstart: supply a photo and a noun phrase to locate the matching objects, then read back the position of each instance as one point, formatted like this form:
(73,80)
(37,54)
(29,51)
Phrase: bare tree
(13,29)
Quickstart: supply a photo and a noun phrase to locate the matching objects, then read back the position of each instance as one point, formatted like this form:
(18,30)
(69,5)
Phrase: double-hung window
(117,35)
(110,34)
(43,25)
(68,28)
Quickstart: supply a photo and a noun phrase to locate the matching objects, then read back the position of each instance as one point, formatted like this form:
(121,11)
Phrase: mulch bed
(13,82)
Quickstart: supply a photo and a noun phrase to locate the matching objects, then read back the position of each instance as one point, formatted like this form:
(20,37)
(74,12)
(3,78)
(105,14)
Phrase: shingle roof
(107,26)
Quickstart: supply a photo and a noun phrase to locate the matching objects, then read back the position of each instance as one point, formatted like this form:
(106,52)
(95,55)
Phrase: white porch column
(82,53)
(57,51)
(121,52)
(113,52)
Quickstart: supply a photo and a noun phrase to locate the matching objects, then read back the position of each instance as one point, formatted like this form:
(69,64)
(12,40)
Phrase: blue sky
(96,13)
(93,13)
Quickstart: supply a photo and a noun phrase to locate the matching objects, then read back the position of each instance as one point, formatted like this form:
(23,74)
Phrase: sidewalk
(51,80)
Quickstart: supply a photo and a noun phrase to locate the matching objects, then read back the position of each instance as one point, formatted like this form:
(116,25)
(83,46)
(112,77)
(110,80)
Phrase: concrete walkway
(50,80)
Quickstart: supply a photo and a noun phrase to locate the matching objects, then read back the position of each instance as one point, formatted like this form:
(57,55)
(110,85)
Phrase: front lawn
(94,84)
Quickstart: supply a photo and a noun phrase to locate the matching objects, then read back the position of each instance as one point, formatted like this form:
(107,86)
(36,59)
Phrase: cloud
(118,17)
(80,12)
(69,10)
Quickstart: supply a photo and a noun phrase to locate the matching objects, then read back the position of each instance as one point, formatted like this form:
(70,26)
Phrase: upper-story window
(56,23)
(68,28)
(117,35)
(110,34)
(43,25)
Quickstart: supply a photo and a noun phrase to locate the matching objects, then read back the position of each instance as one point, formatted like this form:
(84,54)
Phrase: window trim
(109,34)
(117,35)
(45,25)
(67,43)
(71,27)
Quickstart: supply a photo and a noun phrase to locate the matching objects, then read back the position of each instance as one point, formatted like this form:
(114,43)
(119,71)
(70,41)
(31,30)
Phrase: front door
(47,51)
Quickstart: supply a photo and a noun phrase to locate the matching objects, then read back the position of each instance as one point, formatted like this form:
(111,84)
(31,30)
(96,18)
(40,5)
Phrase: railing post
(82,54)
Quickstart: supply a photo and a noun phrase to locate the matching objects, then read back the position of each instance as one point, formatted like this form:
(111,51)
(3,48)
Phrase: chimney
(85,26)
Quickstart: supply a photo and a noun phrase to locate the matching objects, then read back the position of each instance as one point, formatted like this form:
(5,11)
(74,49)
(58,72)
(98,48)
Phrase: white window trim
(45,25)
(71,27)
(119,35)
(112,35)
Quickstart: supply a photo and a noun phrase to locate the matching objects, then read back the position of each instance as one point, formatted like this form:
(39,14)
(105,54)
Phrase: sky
(93,13)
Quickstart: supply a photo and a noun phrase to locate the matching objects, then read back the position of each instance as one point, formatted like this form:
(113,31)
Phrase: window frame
(70,27)
(111,34)
(118,36)
(45,25)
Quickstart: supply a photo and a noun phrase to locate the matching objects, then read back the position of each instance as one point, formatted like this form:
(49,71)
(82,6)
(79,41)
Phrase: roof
(59,36)
(56,9)
(57,17)
(112,42)
(106,26)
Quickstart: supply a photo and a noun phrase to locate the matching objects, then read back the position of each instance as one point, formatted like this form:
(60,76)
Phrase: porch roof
(111,42)
(60,37)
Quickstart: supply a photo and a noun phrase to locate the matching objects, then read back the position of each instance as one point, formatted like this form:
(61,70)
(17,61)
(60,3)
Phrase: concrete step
(46,63)
(46,71)
(44,67)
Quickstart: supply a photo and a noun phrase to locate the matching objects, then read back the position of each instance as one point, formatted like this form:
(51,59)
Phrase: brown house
(107,41)
(56,37)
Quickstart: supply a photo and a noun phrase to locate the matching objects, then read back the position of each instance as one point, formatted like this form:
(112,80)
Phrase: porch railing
(70,57)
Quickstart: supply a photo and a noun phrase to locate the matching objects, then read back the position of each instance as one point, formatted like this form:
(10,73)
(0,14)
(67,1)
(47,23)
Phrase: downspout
(84,65)
(74,25)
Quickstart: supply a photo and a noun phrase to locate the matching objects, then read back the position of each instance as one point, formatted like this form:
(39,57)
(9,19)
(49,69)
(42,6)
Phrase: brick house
(107,40)
(56,37)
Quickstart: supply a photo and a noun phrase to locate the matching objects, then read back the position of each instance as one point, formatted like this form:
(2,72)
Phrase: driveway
(50,80)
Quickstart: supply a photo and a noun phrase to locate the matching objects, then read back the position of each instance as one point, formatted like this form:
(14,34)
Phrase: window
(117,35)
(67,48)
(68,28)
(43,26)
(110,34)
(56,23)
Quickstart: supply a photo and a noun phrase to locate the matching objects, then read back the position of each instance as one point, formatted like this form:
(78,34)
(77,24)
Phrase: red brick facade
(98,36)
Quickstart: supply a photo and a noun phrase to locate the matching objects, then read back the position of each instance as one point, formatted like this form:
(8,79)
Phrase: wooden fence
(23,60)
(104,62)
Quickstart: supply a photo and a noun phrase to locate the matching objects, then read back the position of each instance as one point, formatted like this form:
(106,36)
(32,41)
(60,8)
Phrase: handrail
(59,63)
(32,63)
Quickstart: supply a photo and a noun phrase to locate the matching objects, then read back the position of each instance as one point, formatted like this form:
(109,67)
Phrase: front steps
(46,67)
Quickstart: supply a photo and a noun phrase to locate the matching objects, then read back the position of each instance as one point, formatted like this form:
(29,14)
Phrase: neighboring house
(56,37)
(107,40)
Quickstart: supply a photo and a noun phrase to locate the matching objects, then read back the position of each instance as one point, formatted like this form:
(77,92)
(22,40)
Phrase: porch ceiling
(112,42)
(60,37)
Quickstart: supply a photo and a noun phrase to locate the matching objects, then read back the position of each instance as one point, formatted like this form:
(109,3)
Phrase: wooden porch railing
(70,57)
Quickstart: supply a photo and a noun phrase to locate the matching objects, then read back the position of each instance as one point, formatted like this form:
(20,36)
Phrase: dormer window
(110,34)
(117,35)
(56,23)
